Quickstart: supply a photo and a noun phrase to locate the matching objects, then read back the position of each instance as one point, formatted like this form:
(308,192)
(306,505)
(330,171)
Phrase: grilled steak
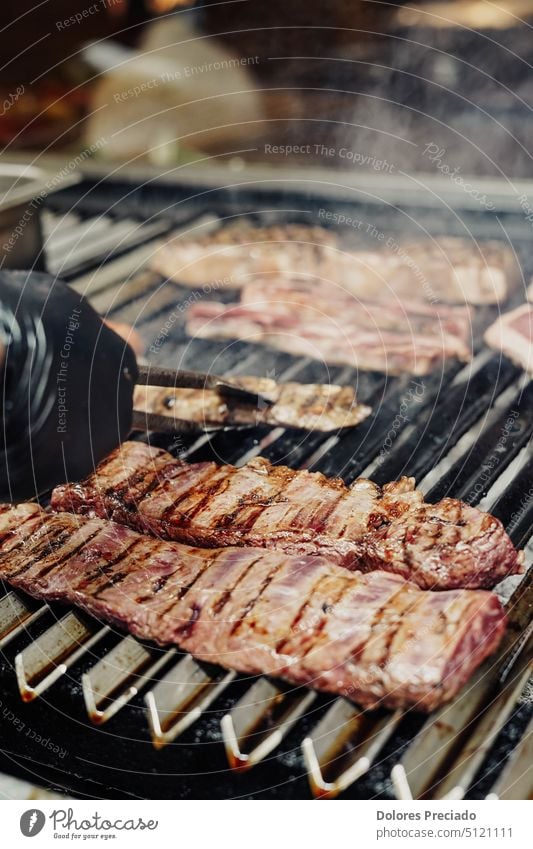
(334,339)
(438,546)
(512,334)
(321,407)
(449,328)
(375,638)
(311,295)
(449,269)
(228,257)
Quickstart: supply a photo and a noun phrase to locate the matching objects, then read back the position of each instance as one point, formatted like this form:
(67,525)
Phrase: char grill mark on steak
(305,498)
(105,563)
(269,489)
(40,550)
(137,484)
(257,612)
(63,547)
(385,625)
(249,572)
(243,496)
(194,502)
(178,498)
(358,610)
(311,617)
(162,500)
(265,623)
(440,546)
(116,570)
(153,604)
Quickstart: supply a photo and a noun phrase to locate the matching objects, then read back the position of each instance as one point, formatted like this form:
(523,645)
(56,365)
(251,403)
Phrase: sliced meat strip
(376,639)
(366,527)
(451,324)
(334,340)
(229,256)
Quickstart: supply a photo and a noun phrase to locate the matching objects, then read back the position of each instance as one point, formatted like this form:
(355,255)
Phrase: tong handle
(157,376)
(181,379)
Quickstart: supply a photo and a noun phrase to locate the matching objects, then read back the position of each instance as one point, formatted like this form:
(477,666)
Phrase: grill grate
(159,713)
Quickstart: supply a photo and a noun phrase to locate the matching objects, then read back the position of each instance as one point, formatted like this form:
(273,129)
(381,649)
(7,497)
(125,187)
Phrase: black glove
(67,385)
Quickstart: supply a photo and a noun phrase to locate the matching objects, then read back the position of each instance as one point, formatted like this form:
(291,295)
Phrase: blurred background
(342,84)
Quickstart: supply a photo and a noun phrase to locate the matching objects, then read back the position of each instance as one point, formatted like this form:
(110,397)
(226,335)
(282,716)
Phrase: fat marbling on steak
(364,526)
(376,639)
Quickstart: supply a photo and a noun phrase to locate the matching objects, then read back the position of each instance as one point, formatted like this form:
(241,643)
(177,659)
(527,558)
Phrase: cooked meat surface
(319,407)
(310,296)
(337,339)
(512,334)
(364,526)
(375,638)
(226,259)
(449,269)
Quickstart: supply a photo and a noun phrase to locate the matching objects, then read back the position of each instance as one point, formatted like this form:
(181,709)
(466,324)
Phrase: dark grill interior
(463,410)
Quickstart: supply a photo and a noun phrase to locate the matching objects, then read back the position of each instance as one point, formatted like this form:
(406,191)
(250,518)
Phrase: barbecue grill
(94,713)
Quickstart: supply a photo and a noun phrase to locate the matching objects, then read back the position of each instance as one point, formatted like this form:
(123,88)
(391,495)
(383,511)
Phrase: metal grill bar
(358,449)
(434,435)
(100,238)
(462,773)
(40,664)
(16,616)
(181,697)
(343,746)
(514,507)
(260,720)
(491,453)
(112,682)
(516,780)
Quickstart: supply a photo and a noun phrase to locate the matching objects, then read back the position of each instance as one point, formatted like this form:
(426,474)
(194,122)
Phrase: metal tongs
(180,379)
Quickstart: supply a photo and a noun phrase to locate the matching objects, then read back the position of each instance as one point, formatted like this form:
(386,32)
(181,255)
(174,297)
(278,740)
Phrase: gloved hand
(67,384)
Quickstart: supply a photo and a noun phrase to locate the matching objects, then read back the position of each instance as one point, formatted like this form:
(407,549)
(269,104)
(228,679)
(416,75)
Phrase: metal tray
(24,190)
